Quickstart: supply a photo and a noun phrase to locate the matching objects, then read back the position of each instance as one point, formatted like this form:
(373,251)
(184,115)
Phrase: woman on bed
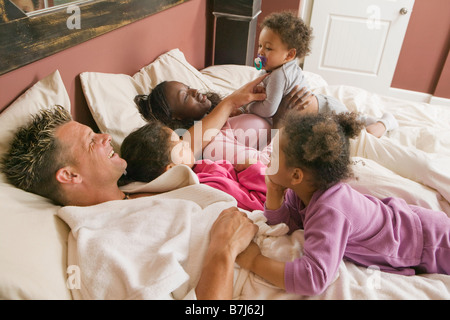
(235,137)
(308,191)
(65,161)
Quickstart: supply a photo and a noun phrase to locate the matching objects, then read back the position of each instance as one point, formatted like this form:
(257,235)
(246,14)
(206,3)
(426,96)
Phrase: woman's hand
(300,99)
(247,93)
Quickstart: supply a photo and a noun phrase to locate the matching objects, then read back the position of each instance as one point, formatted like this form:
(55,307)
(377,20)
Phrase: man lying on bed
(67,162)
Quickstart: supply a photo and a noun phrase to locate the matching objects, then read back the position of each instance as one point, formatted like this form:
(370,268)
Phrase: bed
(36,246)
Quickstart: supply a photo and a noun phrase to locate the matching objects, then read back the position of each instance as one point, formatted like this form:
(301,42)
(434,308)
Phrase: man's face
(92,154)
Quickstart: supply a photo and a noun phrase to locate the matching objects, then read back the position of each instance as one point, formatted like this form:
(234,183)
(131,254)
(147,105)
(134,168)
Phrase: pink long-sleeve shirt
(341,223)
(248,186)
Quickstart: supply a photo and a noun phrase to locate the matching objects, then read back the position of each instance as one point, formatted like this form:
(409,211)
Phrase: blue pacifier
(260,62)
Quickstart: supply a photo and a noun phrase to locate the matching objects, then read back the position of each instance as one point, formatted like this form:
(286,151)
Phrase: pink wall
(124,50)
(425,49)
(443,85)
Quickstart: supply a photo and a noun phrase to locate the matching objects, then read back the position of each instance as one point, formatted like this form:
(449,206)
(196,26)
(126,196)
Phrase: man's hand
(230,235)
(232,231)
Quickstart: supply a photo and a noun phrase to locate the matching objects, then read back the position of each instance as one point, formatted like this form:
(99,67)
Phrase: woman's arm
(216,119)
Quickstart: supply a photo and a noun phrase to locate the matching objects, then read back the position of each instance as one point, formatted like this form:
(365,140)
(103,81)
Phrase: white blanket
(150,247)
(153,248)
(146,248)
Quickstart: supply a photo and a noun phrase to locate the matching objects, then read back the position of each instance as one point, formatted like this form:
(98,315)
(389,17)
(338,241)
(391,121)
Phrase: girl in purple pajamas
(308,192)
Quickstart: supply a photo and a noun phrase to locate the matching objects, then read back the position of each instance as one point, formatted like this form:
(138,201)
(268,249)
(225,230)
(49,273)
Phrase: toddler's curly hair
(320,143)
(292,30)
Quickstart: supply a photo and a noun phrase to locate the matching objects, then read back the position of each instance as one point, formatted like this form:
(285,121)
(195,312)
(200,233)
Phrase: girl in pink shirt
(307,192)
(154,148)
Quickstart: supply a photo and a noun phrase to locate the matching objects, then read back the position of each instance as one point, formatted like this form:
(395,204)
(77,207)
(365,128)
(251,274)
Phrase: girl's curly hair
(147,152)
(320,143)
(292,30)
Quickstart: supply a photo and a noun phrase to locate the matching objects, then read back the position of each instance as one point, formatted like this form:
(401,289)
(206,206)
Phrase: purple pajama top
(341,223)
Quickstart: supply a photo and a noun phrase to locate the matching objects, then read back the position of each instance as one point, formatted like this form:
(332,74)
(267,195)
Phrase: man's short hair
(35,154)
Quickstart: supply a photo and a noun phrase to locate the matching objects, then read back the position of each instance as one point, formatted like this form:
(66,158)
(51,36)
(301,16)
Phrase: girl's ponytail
(350,124)
(320,143)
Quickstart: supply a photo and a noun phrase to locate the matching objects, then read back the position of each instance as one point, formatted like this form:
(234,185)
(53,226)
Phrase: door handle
(403,11)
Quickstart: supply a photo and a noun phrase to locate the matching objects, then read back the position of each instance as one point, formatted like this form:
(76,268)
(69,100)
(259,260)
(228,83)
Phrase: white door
(357,42)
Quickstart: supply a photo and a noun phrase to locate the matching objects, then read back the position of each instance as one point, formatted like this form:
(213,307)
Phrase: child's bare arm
(274,195)
(268,269)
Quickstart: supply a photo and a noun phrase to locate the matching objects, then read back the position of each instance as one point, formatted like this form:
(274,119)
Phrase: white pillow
(44,94)
(110,97)
(33,240)
(228,78)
